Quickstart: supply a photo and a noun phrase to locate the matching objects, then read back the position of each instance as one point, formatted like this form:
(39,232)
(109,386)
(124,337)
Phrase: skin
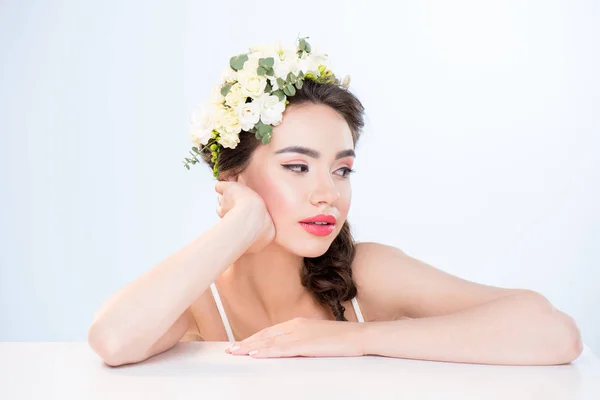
(269,281)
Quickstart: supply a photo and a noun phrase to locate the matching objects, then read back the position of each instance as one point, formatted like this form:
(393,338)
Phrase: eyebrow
(314,153)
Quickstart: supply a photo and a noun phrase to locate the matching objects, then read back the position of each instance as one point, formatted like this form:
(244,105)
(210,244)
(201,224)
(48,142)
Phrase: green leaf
(270,72)
(302,44)
(195,150)
(268,87)
(267,129)
(280,83)
(301,74)
(266,62)
(307,46)
(280,94)
(237,62)
(261,71)
(286,91)
(299,84)
(291,89)
(266,139)
(291,78)
(225,89)
(187,166)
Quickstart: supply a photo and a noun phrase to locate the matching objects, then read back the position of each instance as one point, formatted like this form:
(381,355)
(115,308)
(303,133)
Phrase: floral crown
(252,95)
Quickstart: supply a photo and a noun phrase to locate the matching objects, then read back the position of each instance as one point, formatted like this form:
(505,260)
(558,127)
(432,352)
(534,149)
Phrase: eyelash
(347,171)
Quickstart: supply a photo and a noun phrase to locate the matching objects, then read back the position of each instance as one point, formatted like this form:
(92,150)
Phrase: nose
(325,191)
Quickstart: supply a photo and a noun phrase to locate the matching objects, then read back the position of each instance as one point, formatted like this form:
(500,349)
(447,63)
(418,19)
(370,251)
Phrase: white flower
(234,97)
(287,62)
(269,50)
(253,85)
(249,114)
(229,122)
(250,66)
(229,140)
(217,97)
(309,63)
(202,121)
(229,75)
(271,109)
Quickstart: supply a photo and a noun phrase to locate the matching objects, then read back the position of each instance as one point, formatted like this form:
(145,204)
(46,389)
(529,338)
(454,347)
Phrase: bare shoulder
(395,285)
(367,277)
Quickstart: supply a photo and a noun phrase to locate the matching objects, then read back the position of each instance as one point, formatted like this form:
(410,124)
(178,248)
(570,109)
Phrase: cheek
(281,198)
(343,204)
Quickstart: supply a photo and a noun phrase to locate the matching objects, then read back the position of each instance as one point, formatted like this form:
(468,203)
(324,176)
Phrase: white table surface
(201,370)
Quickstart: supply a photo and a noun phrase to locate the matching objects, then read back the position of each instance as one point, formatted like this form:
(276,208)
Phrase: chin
(306,245)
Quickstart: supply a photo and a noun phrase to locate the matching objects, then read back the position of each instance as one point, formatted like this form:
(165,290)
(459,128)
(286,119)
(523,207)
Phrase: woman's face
(296,186)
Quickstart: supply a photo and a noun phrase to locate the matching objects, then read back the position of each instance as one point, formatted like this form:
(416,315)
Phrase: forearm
(140,313)
(515,330)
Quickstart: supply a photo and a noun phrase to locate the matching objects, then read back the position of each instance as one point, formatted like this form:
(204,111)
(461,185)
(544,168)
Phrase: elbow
(106,347)
(570,340)
(565,344)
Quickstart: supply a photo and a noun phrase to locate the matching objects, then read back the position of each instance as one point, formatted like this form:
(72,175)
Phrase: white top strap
(357,311)
(217,298)
(227,326)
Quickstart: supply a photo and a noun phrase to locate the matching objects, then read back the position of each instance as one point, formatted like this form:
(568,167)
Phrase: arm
(522,329)
(151,314)
(454,319)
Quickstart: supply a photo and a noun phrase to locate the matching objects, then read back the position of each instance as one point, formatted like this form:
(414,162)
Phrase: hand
(305,337)
(233,195)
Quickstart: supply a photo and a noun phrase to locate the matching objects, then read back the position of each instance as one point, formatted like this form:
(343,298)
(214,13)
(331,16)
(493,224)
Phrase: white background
(479,155)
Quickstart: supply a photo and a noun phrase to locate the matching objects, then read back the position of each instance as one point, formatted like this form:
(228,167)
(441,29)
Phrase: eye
(347,171)
(293,167)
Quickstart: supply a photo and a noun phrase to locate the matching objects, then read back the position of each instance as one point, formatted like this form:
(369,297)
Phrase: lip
(330,219)
(318,230)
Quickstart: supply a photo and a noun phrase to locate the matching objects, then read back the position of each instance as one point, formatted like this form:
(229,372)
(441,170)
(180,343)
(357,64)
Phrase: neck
(272,277)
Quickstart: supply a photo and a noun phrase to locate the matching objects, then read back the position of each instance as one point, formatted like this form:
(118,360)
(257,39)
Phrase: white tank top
(230,337)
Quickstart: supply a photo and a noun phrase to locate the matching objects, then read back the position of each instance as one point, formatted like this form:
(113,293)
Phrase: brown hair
(329,276)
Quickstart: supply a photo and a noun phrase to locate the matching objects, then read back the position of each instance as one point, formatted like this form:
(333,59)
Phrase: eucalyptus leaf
(261,71)
(302,44)
(237,62)
(280,94)
(225,89)
(291,89)
(266,62)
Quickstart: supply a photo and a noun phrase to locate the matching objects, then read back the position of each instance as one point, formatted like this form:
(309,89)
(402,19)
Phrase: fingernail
(234,348)
(253,352)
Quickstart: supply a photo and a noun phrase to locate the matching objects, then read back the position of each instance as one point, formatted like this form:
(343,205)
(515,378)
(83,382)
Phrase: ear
(233,178)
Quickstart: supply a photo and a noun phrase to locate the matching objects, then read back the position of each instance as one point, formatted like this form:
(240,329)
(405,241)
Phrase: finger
(267,333)
(220,186)
(263,344)
(284,350)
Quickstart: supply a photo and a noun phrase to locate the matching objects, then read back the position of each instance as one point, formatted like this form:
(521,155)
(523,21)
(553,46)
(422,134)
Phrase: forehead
(312,125)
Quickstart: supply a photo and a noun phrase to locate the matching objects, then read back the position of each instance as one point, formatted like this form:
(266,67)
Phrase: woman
(280,270)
